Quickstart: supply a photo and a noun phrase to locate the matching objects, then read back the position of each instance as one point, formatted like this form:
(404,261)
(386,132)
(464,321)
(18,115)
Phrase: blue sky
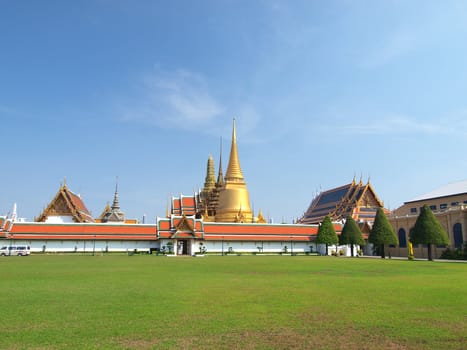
(322,91)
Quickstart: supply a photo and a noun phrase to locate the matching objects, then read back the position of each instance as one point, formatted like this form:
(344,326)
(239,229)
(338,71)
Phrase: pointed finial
(115,204)
(234,172)
(220,175)
(167,208)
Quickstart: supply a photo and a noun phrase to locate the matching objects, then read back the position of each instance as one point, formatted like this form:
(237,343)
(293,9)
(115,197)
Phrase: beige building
(449,205)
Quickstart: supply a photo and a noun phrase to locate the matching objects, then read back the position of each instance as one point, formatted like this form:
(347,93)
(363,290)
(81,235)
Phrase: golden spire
(234,200)
(260,219)
(220,175)
(210,180)
(234,172)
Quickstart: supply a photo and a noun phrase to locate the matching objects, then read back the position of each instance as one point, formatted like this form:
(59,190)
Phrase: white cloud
(179,99)
(397,124)
(183,99)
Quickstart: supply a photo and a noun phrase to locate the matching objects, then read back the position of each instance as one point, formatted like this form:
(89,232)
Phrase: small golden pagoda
(234,199)
(208,195)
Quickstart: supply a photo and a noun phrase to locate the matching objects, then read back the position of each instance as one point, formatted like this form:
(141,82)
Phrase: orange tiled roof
(37,230)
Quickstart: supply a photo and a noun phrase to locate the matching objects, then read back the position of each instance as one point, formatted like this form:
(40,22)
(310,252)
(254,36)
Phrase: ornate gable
(66,204)
(184,225)
(184,228)
(369,198)
(106,210)
(180,227)
(60,207)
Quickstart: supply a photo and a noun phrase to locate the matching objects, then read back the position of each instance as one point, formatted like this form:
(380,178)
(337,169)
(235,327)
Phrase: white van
(19,250)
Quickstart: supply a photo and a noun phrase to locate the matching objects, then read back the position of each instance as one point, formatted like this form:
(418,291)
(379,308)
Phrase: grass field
(247,302)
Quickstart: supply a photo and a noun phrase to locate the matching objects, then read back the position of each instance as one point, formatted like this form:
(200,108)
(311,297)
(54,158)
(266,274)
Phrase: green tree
(351,234)
(326,233)
(428,230)
(382,232)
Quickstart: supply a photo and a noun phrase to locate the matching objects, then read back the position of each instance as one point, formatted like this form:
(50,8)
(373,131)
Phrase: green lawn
(230,302)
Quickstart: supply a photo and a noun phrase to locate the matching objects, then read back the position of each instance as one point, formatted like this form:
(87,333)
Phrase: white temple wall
(256,247)
(345,249)
(216,247)
(86,246)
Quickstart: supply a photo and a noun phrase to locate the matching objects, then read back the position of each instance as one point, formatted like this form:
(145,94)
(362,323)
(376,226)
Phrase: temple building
(355,199)
(217,219)
(66,206)
(227,199)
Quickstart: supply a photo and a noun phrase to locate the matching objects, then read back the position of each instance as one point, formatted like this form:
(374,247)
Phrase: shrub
(454,254)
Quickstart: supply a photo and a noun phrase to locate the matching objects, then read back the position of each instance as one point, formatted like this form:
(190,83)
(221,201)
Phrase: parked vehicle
(19,250)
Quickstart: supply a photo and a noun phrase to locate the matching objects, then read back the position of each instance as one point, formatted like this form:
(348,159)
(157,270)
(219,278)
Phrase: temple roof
(342,201)
(66,203)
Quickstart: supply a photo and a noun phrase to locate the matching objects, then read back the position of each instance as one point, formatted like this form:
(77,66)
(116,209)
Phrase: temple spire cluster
(228,200)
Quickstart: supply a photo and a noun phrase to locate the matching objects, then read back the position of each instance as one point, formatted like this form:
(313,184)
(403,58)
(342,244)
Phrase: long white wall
(258,247)
(89,246)
(196,246)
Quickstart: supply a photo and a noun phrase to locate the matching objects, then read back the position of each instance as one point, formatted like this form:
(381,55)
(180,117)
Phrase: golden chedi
(234,200)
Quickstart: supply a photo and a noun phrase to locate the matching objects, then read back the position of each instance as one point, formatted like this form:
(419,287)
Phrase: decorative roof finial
(234,172)
(167,215)
(220,175)
(115,204)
